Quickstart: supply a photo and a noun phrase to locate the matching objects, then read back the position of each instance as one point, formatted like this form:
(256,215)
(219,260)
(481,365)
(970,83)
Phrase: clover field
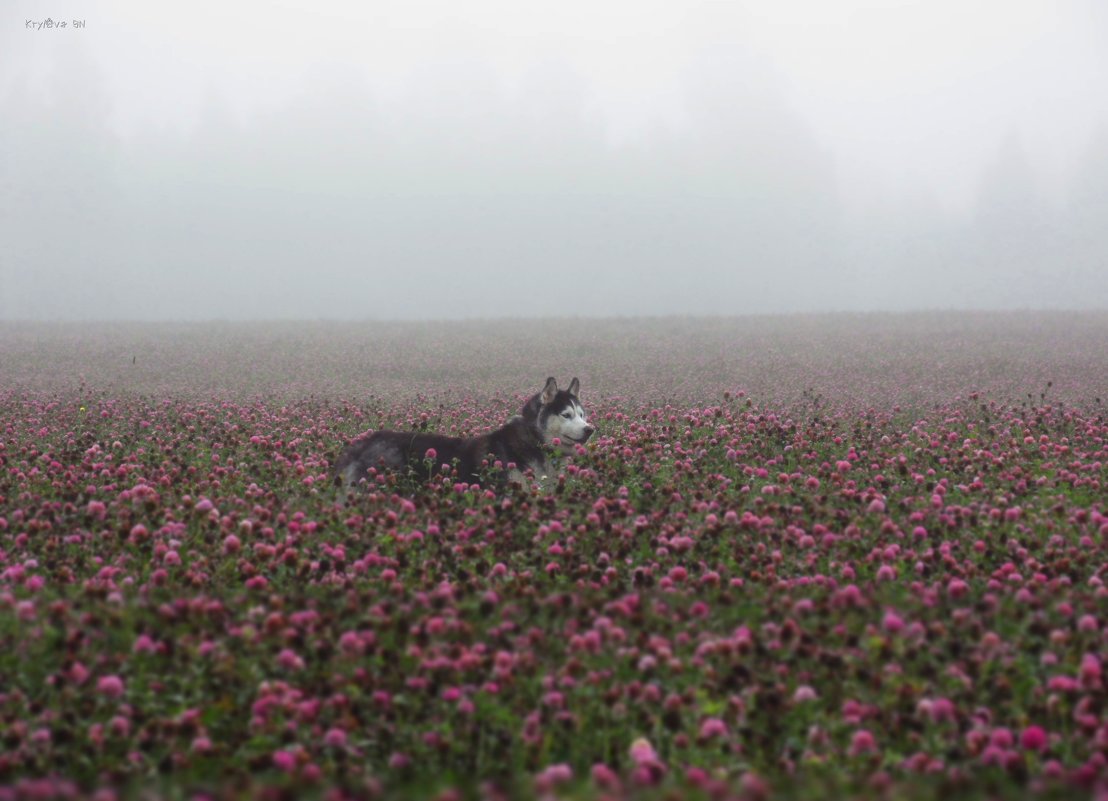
(803,557)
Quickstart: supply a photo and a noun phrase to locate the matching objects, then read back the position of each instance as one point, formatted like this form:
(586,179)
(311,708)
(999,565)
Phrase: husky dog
(524,441)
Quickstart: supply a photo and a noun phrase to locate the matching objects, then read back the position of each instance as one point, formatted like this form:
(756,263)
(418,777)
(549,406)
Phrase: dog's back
(400,450)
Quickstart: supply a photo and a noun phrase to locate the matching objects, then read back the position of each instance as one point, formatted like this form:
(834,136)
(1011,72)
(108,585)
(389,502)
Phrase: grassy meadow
(803,557)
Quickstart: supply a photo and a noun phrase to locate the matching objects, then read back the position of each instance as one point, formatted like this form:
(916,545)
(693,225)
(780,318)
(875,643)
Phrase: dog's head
(558,414)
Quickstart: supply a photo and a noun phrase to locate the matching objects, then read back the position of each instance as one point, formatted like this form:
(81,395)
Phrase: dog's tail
(344,472)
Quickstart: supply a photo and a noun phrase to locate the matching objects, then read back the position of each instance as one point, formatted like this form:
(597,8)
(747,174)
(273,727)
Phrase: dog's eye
(566,415)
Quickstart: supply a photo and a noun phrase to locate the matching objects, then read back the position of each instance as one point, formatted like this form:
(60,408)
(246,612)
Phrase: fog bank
(149,170)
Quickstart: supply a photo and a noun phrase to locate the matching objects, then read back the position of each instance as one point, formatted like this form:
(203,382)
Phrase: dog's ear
(549,391)
(574,387)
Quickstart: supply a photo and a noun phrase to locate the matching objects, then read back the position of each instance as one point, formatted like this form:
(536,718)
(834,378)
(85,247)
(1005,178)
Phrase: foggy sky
(433,159)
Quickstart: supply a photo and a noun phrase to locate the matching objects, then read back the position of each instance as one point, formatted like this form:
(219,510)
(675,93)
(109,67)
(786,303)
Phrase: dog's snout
(589,431)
